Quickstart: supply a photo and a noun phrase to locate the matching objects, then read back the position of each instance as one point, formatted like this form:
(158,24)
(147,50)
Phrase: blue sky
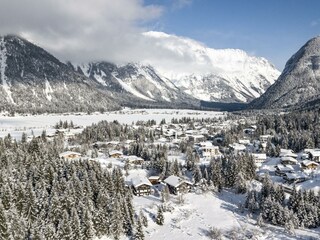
(274,29)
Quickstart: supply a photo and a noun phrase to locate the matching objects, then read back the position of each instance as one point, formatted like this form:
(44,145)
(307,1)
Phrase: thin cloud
(315,23)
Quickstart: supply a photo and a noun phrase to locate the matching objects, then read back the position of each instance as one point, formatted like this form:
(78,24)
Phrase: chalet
(207,150)
(309,165)
(133,159)
(115,154)
(141,186)
(281,170)
(154,179)
(196,138)
(314,154)
(259,157)
(69,155)
(288,160)
(295,177)
(178,185)
(287,153)
(237,148)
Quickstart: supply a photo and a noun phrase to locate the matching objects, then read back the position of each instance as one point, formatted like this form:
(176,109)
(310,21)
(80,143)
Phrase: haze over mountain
(299,83)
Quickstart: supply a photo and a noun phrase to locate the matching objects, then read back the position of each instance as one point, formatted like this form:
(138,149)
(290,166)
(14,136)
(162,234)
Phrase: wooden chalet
(141,186)
(132,159)
(154,180)
(309,165)
(178,185)
(69,155)
(295,177)
(115,154)
(287,160)
(281,170)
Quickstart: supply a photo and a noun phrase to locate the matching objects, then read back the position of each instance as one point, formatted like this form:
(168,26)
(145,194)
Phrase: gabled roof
(139,180)
(115,152)
(285,168)
(289,159)
(296,175)
(308,162)
(175,181)
(67,153)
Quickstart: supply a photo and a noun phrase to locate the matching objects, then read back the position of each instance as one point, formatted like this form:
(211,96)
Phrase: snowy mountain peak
(227,75)
(299,82)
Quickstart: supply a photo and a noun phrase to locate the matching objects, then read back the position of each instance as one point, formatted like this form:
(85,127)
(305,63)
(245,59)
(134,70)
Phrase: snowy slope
(228,75)
(299,83)
(137,80)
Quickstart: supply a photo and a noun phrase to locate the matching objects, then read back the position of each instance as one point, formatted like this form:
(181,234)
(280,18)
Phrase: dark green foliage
(50,198)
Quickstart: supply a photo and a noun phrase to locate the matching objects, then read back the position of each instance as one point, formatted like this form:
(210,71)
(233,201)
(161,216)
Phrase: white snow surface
(3,65)
(132,90)
(48,90)
(18,124)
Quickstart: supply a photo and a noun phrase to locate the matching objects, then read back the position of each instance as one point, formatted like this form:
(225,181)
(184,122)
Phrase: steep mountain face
(226,75)
(32,80)
(136,81)
(299,83)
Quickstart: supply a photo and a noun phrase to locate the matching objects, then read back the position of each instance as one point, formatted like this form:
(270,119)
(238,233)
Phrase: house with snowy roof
(141,185)
(295,177)
(115,154)
(314,154)
(177,184)
(69,155)
(287,160)
(309,165)
(281,170)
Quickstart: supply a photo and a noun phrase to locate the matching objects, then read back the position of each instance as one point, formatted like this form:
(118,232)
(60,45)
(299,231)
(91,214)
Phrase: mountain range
(33,80)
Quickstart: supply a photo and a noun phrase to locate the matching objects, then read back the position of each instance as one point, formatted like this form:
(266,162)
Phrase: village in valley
(169,165)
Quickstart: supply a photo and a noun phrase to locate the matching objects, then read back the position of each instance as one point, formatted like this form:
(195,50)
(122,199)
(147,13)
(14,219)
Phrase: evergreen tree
(160,217)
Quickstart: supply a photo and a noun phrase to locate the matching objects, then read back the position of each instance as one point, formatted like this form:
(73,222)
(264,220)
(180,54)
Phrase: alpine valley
(33,80)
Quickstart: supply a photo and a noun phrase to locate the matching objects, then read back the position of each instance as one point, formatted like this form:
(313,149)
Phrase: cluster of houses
(142,185)
(296,168)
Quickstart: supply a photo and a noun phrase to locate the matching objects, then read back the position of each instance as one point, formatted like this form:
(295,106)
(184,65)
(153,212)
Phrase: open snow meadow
(35,124)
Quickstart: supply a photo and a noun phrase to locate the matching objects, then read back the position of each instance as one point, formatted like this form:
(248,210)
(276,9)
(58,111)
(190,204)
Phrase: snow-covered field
(18,124)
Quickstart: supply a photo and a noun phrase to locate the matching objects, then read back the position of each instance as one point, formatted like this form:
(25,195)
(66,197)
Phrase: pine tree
(160,217)
(139,235)
(4,229)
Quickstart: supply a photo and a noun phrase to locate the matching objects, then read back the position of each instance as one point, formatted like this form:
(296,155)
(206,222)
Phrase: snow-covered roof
(131,158)
(259,155)
(287,153)
(289,159)
(314,152)
(67,153)
(114,152)
(284,168)
(175,181)
(296,175)
(308,162)
(140,180)
(205,144)
(237,146)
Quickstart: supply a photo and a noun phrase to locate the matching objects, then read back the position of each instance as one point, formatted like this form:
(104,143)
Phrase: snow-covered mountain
(32,80)
(223,75)
(299,83)
(141,81)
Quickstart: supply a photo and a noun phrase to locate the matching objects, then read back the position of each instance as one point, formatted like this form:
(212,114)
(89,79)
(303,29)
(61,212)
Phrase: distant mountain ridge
(33,80)
(299,84)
